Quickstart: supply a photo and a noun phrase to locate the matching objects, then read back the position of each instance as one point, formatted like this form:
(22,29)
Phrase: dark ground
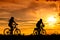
(30,37)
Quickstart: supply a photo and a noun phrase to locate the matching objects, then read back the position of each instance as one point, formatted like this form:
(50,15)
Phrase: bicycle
(42,31)
(16,31)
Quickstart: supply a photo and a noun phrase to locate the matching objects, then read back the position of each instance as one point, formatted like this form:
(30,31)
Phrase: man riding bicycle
(10,24)
(39,26)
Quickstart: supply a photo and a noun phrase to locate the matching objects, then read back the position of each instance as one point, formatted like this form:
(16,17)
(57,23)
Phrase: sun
(51,20)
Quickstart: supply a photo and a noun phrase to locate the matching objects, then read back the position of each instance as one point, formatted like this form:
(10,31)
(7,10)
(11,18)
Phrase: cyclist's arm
(14,22)
(43,24)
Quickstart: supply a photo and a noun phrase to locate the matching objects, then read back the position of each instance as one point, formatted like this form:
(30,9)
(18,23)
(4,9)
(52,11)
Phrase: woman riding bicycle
(10,24)
(39,26)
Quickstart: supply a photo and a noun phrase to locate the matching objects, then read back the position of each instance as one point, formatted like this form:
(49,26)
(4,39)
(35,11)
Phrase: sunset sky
(28,12)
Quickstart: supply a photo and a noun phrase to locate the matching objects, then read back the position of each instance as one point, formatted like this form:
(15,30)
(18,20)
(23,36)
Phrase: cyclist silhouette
(10,24)
(39,26)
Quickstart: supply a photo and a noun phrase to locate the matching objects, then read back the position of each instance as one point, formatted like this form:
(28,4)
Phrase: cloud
(4,14)
(31,11)
(3,18)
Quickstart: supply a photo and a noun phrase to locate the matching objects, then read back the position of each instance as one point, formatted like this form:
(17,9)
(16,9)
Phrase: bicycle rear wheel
(35,32)
(6,31)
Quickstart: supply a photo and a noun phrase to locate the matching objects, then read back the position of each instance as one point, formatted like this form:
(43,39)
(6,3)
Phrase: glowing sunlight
(51,20)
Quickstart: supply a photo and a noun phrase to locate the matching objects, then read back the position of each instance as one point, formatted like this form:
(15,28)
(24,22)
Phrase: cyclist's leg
(39,31)
(11,30)
(42,28)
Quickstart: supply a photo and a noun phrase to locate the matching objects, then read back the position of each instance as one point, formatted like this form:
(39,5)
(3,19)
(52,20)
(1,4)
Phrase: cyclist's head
(40,20)
(12,17)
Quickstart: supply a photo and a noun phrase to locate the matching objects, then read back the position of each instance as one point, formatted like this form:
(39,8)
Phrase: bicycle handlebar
(15,25)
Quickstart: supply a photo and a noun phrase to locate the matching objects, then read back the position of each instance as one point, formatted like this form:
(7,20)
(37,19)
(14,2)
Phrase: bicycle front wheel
(6,31)
(17,32)
(43,32)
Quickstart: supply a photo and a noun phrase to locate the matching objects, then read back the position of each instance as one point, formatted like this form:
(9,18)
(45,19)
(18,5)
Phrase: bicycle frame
(14,26)
(15,30)
(42,31)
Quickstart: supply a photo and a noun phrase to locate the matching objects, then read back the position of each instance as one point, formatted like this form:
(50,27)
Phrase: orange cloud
(26,13)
